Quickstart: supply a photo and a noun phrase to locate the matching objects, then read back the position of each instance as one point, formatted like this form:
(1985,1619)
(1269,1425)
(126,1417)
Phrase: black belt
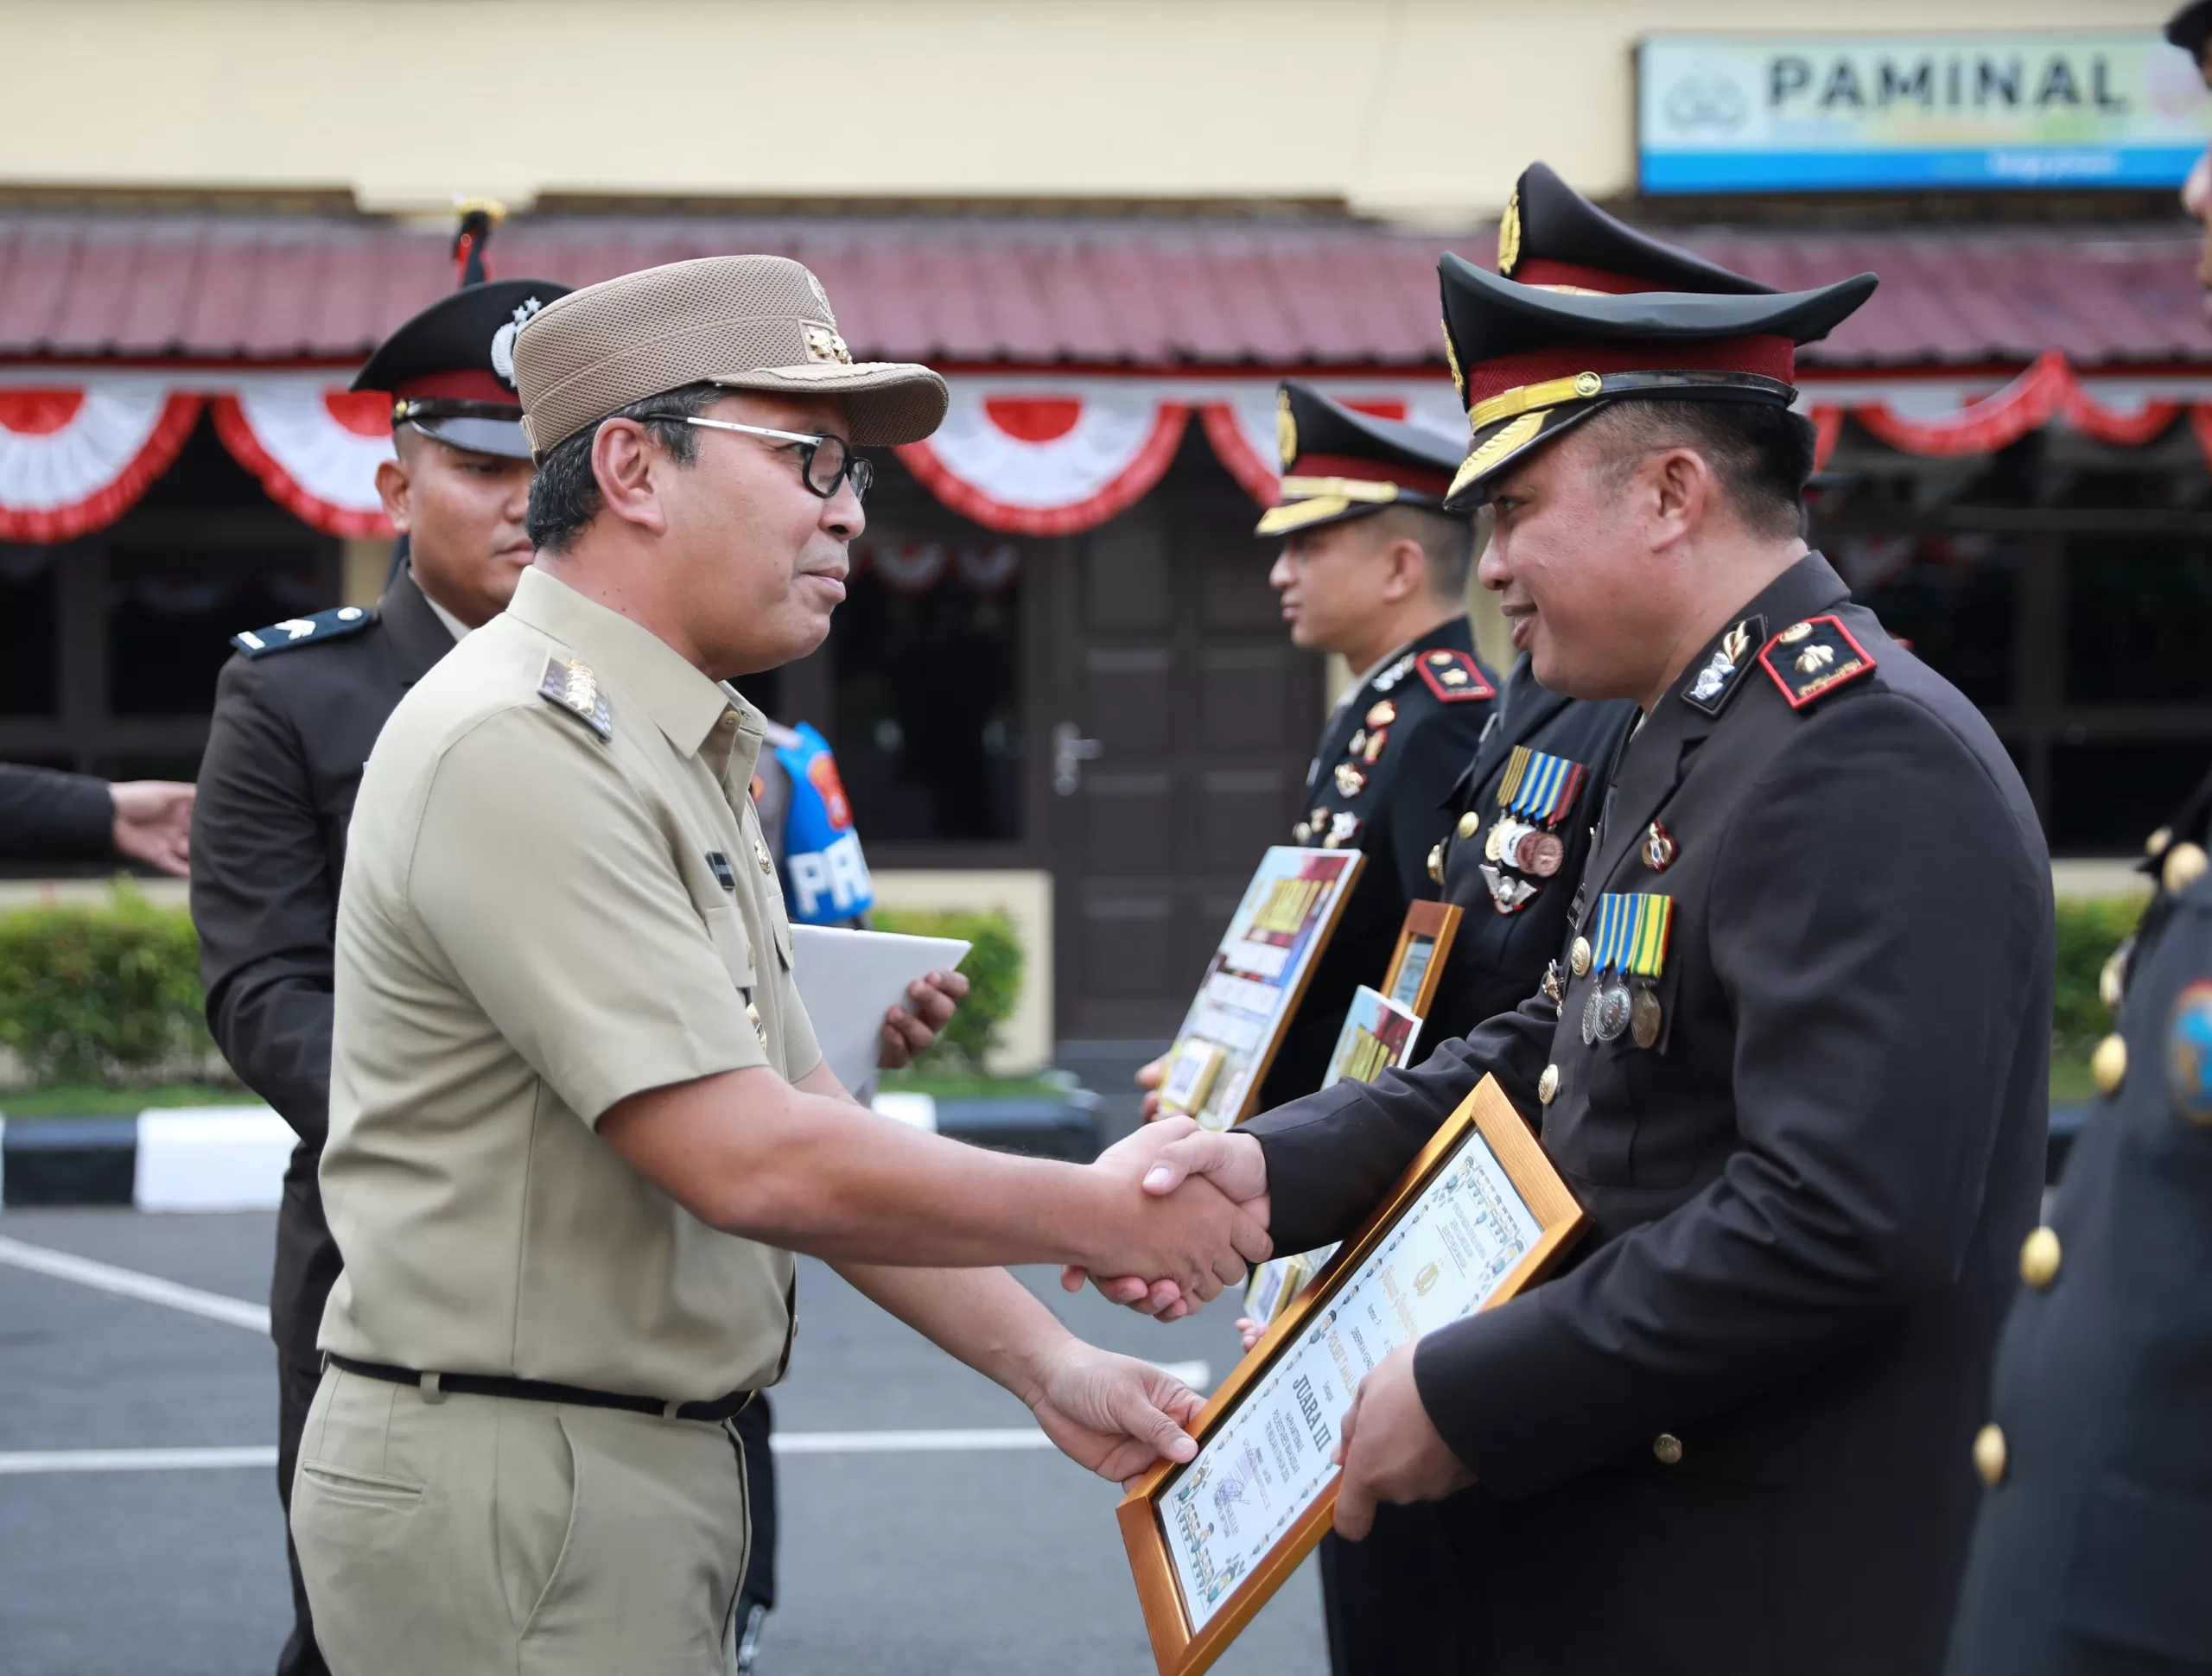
(543,1390)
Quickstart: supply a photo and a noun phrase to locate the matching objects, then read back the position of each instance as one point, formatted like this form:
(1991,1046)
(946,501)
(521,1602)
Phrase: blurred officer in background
(50,815)
(2094,1551)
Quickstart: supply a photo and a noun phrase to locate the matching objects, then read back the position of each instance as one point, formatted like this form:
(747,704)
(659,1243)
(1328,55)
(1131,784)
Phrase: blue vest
(825,876)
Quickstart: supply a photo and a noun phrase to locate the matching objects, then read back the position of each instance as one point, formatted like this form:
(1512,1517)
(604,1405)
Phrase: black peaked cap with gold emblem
(1532,363)
(1554,237)
(1340,463)
(450,370)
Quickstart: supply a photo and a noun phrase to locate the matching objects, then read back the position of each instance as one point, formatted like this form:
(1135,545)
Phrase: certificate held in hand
(1477,1218)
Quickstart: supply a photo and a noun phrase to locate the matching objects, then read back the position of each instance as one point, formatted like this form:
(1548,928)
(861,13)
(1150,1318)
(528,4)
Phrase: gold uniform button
(2185,865)
(2039,1257)
(1669,1448)
(2108,1064)
(1436,862)
(2155,845)
(1470,824)
(2111,981)
(1579,957)
(1548,1085)
(1989,1454)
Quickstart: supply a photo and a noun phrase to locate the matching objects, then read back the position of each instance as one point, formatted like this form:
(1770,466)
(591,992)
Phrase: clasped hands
(1388,1447)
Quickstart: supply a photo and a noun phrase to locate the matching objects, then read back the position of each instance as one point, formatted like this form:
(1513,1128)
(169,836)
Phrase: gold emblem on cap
(1285,429)
(2039,1257)
(1501,442)
(1793,634)
(1509,235)
(2108,1064)
(2185,865)
(1587,384)
(1989,1455)
(823,345)
(1452,361)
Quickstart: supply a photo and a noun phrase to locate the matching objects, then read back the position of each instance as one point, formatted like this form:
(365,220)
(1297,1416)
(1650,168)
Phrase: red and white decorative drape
(1021,454)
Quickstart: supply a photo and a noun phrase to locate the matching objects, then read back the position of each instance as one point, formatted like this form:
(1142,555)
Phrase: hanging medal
(1630,952)
(1534,795)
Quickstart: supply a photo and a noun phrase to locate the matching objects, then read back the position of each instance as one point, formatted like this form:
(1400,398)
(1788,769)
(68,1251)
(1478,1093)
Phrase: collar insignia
(1815,656)
(1716,682)
(572,686)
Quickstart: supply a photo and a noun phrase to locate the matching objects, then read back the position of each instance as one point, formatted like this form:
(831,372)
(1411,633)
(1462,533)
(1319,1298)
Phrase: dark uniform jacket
(2093,1552)
(1497,957)
(291,730)
(1733,1435)
(1379,786)
(48,815)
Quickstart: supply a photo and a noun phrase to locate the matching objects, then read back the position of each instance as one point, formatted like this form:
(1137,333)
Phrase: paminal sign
(1811,113)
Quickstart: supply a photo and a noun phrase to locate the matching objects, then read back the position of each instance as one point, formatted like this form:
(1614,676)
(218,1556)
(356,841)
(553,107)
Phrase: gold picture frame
(1417,963)
(1184,1642)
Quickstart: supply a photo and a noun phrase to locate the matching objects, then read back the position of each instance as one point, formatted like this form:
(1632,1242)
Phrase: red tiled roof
(230,287)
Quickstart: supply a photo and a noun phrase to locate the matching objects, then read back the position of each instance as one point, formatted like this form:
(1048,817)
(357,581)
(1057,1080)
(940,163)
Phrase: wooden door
(1178,725)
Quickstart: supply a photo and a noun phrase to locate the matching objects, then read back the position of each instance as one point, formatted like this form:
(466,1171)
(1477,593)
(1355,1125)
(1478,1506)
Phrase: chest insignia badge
(1508,893)
(1382,713)
(1659,848)
(760,854)
(1815,656)
(724,875)
(572,686)
(1344,829)
(1349,781)
(2188,1053)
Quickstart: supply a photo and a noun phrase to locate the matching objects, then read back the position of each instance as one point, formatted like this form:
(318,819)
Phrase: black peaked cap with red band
(1340,463)
(2189,27)
(451,369)
(1532,362)
(1552,235)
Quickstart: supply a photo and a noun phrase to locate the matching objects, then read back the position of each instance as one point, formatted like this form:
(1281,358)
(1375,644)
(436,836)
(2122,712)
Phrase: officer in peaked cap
(1794,1065)
(2089,1558)
(295,713)
(1374,569)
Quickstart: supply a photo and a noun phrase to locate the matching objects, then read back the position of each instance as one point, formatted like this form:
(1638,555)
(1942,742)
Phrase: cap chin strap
(1592,386)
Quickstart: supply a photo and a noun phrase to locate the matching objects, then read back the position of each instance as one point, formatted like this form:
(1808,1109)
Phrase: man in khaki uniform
(578,1117)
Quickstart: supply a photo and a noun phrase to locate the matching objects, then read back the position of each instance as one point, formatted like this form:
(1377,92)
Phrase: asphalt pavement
(901,1561)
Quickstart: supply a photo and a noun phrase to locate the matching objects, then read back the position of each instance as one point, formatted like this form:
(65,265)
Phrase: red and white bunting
(74,459)
(1020,452)
(1043,462)
(314,447)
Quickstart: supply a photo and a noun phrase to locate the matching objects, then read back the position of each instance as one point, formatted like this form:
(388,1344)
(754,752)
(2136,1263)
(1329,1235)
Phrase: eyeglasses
(824,461)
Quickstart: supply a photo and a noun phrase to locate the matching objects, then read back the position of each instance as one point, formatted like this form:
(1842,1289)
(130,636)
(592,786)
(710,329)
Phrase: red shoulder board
(1815,656)
(1453,675)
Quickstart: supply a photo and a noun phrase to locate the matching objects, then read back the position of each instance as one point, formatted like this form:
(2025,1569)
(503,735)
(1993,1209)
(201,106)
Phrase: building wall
(1419,109)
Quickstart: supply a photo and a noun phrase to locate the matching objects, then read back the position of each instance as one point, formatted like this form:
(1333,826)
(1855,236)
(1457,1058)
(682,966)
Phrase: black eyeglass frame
(852,465)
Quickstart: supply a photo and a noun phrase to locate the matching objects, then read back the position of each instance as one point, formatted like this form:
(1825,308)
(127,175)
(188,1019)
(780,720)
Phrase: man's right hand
(1171,1222)
(1176,1150)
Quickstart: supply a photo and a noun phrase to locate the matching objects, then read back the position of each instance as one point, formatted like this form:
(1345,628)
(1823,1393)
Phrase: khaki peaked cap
(746,322)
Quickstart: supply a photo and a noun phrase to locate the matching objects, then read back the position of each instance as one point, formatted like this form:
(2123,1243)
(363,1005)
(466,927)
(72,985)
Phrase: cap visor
(1499,446)
(501,437)
(1310,514)
(886,403)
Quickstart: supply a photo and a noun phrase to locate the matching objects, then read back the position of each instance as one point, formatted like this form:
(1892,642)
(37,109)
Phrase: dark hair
(1762,453)
(564,496)
(1447,544)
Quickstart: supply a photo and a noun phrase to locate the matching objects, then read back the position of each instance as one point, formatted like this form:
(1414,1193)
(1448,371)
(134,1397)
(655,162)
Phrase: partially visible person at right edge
(1796,1072)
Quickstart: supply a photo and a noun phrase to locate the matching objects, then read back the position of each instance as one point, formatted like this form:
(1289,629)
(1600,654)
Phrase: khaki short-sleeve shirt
(557,895)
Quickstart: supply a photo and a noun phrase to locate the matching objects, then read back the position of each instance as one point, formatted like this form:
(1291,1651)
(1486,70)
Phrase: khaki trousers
(463,1534)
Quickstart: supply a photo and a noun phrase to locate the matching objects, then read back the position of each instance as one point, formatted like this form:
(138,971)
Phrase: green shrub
(994,972)
(106,994)
(2089,929)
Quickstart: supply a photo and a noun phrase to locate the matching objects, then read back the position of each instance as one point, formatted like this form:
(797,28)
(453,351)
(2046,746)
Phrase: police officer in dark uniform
(295,714)
(1372,568)
(2093,1549)
(1794,1069)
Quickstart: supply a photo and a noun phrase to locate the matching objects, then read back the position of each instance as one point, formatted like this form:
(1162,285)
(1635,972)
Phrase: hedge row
(111,993)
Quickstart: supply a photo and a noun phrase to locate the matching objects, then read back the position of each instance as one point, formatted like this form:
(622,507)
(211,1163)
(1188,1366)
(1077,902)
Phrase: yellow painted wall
(1418,108)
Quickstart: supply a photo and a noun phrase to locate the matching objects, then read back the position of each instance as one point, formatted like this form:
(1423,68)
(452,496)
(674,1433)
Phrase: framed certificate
(1417,964)
(1253,982)
(1477,1218)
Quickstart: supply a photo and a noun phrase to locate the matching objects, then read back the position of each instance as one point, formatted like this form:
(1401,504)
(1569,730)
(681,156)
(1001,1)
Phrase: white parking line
(128,1283)
(136,1460)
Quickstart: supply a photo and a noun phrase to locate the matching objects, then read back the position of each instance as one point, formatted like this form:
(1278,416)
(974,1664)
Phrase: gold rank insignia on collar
(1815,656)
(1716,682)
(572,686)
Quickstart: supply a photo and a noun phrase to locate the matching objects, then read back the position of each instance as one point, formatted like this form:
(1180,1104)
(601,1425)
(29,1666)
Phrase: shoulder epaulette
(1815,656)
(572,686)
(1454,676)
(304,630)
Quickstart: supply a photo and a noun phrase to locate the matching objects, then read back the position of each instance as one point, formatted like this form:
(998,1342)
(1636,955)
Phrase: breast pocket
(726,928)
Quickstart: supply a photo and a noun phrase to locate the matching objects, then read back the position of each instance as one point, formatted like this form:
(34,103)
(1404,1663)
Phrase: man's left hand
(1391,1451)
(1112,1413)
(907,1033)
